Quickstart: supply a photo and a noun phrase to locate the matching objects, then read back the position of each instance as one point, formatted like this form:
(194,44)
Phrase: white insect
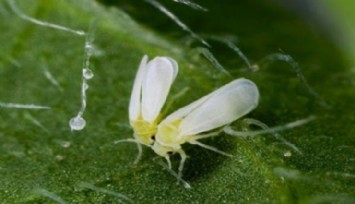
(150,90)
(219,108)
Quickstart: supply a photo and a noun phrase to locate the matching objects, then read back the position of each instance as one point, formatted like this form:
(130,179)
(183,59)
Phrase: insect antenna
(269,130)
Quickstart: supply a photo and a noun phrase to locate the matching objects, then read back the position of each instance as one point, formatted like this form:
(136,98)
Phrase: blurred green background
(43,161)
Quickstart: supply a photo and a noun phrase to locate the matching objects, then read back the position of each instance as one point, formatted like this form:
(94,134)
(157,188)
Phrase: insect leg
(210,148)
(183,182)
(167,158)
(182,163)
(140,151)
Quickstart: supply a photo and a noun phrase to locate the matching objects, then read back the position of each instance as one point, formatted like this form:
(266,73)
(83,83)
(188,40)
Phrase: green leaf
(43,161)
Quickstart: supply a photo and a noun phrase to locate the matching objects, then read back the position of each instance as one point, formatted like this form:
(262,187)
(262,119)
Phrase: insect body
(150,90)
(217,109)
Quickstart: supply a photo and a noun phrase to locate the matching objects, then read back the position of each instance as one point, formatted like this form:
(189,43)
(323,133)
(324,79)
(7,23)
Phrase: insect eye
(152,137)
(170,153)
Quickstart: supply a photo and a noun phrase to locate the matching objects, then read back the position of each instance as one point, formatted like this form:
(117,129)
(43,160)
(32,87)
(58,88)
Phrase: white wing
(183,112)
(221,107)
(175,66)
(161,73)
(135,102)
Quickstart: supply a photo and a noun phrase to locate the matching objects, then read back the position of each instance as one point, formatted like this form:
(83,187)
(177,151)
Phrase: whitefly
(150,90)
(188,124)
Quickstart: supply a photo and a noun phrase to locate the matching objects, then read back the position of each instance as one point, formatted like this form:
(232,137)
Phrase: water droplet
(88,46)
(85,86)
(287,154)
(255,67)
(65,144)
(59,157)
(87,73)
(89,49)
(77,123)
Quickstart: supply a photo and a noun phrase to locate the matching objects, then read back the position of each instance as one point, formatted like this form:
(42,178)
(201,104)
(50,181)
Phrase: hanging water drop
(85,86)
(77,123)
(89,49)
(87,73)
(88,46)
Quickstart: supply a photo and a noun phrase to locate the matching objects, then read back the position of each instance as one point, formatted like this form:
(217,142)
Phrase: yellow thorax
(144,131)
(169,134)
